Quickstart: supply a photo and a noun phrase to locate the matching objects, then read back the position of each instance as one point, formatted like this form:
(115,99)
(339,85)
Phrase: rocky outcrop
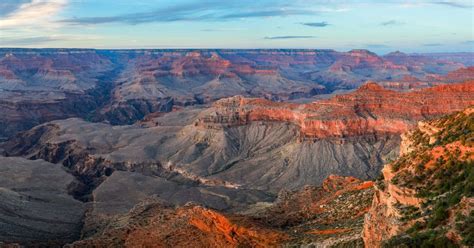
(261,156)
(318,204)
(458,75)
(36,208)
(38,86)
(369,110)
(130,111)
(321,216)
(425,197)
(383,219)
(152,223)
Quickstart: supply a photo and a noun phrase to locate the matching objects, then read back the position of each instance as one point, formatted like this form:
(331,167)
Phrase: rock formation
(231,147)
(37,86)
(247,143)
(35,207)
(326,215)
(370,109)
(153,224)
(425,197)
(123,86)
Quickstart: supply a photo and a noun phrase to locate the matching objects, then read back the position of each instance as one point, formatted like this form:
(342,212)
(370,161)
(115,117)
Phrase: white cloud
(37,13)
(325,9)
(33,23)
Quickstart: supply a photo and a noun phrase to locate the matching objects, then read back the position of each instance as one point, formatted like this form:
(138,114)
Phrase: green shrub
(466,229)
(440,213)
(428,239)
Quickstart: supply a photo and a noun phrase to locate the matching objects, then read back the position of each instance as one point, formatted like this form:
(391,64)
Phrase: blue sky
(380,26)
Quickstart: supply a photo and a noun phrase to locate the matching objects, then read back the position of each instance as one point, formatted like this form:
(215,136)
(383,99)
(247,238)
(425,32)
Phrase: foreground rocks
(327,215)
(152,224)
(35,205)
(426,197)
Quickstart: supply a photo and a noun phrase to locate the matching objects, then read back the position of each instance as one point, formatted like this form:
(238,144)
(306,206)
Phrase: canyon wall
(245,142)
(123,86)
(425,197)
(371,109)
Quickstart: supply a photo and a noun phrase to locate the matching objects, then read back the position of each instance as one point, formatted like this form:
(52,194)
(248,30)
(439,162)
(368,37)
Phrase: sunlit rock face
(123,86)
(421,199)
(371,109)
(326,215)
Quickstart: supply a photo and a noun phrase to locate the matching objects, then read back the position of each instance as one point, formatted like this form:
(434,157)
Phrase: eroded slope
(426,196)
(35,205)
(325,215)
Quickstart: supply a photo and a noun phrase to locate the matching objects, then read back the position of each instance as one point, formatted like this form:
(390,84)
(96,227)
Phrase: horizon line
(194,48)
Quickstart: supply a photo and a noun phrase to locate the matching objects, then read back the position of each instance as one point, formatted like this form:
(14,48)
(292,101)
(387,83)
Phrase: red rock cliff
(425,199)
(371,109)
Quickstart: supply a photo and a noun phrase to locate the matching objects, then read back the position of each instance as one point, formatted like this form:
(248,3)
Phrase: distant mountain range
(122,86)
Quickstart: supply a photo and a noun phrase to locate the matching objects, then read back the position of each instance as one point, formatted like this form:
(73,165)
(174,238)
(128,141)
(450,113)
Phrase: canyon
(253,148)
(247,143)
(123,86)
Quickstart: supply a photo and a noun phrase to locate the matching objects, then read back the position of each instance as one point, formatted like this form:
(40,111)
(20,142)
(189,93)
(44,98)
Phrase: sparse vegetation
(410,212)
(419,138)
(380,184)
(456,127)
(425,239)
(398,164)
(442,179)
(465,226)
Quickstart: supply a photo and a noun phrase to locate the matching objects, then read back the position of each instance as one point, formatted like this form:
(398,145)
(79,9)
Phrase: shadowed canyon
(235,148)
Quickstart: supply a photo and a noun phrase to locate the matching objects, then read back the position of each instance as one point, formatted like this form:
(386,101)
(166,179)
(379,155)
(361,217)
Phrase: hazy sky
(380,26)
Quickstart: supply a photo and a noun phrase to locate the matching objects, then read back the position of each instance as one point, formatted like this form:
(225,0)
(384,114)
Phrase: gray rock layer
(35,208)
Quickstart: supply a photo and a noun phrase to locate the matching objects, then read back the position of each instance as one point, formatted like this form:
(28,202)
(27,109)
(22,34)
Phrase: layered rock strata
(426,197)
